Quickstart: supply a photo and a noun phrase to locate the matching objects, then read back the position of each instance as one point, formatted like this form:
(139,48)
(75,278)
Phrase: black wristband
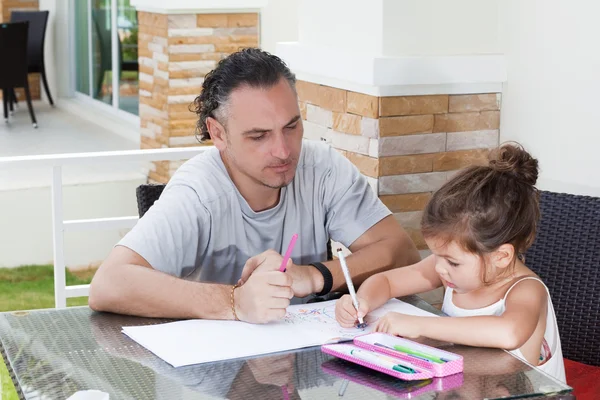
(327,278)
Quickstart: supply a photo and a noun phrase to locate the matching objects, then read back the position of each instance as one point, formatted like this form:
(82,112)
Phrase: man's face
(263,137)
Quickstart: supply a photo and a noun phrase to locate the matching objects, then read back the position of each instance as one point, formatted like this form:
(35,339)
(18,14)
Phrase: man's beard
(260,180)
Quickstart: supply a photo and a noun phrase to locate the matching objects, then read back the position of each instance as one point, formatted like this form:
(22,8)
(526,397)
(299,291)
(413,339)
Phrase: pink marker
(284,392)
(288,253)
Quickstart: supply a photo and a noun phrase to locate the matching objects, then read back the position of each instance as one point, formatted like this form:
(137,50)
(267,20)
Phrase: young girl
(477,226)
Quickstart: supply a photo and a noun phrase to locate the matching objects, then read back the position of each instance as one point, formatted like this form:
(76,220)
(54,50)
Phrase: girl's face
(460,270)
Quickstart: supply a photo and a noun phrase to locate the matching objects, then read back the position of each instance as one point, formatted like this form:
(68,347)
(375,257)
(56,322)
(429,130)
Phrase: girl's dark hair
(253,67)
(484,207)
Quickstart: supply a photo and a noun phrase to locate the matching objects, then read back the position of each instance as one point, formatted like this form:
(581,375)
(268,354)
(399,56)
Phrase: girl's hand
(346,314)
(399,325)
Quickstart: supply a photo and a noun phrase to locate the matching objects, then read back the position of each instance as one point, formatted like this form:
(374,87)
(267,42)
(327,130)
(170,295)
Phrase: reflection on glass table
(54,353)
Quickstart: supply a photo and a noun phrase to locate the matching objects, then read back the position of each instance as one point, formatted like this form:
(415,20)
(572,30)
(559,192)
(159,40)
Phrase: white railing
(60,226)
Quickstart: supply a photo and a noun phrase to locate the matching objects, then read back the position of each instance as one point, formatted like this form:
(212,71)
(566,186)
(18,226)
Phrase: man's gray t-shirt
(202,229)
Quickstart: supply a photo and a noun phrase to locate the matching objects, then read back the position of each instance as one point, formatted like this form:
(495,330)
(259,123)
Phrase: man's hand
(345,313)
(273,370)
(306,279)
(269,259)
(266,292)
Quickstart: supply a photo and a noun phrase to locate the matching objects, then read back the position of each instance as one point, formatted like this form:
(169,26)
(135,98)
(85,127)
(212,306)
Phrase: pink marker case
(424,369)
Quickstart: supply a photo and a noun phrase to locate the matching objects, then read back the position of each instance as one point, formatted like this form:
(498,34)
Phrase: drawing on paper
(324,319)
(324,315)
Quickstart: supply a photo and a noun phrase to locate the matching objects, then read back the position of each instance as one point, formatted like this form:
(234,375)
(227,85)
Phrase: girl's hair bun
(513,159)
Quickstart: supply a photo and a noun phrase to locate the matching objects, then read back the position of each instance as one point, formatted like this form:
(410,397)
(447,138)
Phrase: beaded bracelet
(233,302)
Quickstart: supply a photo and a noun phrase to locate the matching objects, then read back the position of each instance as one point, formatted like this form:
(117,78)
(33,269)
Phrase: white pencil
(349,282)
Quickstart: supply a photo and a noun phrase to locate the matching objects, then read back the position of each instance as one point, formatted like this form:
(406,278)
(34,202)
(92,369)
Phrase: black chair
(566,255)
(13,68)
(38,21)
(147,194)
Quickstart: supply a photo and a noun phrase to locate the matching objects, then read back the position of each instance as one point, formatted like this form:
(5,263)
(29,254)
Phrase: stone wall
(407,146)
(175,53)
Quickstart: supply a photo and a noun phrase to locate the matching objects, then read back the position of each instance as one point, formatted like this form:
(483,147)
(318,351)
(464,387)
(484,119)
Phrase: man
(226,215)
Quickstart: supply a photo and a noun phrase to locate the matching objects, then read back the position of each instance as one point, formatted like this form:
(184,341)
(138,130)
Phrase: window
(106,59)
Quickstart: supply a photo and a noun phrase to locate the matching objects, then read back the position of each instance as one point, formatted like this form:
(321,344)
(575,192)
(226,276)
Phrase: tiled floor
(59,131)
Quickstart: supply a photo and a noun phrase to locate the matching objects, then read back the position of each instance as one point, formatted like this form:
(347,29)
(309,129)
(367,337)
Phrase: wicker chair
(146,195)
(566,255)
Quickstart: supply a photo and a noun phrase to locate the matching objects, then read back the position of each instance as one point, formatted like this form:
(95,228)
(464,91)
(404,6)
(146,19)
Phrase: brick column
(6,7)
(175,52)
(407,146)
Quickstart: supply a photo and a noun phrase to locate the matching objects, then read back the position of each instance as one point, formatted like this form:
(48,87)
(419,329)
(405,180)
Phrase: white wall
(186,6)
(345,25)
(440,27)
(396,27)
(278,23)
(550,102)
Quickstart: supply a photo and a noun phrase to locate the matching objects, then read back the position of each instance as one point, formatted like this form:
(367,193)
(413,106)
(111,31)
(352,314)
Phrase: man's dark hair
(252,67)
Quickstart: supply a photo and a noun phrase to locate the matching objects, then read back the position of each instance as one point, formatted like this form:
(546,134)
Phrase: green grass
(7,390)
(28,288)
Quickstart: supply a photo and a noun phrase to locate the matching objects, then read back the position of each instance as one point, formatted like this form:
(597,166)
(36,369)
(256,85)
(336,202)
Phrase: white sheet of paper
(198,341)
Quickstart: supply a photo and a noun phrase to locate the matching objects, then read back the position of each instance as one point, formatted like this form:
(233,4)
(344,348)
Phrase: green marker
(419,354)
(382,361)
